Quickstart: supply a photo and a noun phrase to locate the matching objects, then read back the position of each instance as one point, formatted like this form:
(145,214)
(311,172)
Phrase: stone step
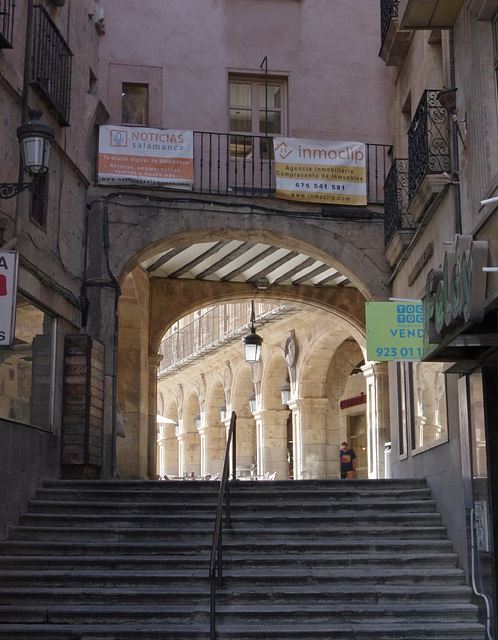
(250,532)
(367,575)
(162,631)
(287,519)
(280,593)
(276,486)
(182,491)
(245,614)
(166,562)
(267,575)
(89,533)
(288,545)
(95,507)
(403,630)
(333,613)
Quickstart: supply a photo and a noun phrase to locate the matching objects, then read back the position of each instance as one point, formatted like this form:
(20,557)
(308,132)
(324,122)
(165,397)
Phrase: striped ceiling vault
(237,261)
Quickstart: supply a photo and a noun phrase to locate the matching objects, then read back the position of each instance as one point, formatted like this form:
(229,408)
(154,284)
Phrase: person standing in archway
(348,464)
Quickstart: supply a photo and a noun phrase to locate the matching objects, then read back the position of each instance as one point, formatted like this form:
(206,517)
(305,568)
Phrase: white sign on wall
(145,156)
(8,296)
(320,171)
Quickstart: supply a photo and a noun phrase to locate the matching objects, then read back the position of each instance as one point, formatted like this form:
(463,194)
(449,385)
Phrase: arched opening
(299,438)
(169,279)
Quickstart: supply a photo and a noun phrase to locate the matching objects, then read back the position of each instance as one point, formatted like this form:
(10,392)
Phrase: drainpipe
(455,159)
(24,118)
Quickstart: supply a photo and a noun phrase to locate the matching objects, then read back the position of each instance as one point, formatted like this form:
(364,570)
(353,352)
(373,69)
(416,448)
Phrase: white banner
(145,156)
(8,296)
(320,171)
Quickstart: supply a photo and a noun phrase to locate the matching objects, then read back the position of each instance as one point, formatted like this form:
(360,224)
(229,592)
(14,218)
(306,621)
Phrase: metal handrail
(216,562)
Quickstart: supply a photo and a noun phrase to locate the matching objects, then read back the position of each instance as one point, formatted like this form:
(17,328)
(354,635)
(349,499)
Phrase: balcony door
(257,113)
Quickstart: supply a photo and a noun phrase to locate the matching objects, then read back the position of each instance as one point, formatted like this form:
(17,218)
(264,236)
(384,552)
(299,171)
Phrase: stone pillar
(215,444)
(102,324)
(271,428)
(246,441)
(309,431)
(152,470)
(170,450)
(191,452)
(378,417)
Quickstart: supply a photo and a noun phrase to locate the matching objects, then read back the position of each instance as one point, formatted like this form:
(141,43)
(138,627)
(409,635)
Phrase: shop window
(257,108)
(26,368)
(39,201)
(135,103)
(429,420)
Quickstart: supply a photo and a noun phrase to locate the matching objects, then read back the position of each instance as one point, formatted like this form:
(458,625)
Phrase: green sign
(395,330)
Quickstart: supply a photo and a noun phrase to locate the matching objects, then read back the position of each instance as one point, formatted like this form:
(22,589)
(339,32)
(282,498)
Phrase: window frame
(51,70)
(141,85)
(38,205)
(257,81)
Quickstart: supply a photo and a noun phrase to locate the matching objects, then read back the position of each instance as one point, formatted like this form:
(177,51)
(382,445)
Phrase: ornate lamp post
(35,138)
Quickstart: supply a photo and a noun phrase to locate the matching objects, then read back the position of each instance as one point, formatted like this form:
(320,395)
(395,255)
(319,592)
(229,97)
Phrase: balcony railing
(244,165)
(51,71)
(6,23)
(428,147)
(388,11)
(396,216)
(211,330)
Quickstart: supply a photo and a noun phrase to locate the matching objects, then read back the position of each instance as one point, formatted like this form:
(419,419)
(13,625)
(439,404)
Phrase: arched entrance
(152,300)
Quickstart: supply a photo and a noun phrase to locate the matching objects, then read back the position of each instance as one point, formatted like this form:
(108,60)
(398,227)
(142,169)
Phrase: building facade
(48,61)
(441,242)
(108,265)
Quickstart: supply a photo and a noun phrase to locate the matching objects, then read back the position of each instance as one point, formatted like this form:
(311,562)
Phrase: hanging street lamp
(252,342)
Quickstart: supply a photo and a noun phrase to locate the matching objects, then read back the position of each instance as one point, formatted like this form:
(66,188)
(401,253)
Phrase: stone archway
(139,230)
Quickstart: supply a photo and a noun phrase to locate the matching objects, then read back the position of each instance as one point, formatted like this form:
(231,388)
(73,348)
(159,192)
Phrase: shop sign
(145,156)
(456,294)
(353,402)
(395,330)
(8,296)
(320,171)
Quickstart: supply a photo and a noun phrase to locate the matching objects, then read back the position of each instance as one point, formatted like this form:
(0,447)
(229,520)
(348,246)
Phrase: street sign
(8,296)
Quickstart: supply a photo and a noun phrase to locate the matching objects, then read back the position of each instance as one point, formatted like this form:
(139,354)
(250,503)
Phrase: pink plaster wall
(328,50)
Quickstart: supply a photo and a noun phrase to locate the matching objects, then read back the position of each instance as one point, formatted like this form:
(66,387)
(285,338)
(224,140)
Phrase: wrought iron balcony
(396,216)
(388,11)
(428,141)
(244,165)
(395,42)
(6,23)
(52,62)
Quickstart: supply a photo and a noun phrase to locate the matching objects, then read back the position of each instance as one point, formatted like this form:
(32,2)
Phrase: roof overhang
(428,14)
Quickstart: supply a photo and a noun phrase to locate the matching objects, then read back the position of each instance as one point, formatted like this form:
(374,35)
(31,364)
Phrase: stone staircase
(128,560)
